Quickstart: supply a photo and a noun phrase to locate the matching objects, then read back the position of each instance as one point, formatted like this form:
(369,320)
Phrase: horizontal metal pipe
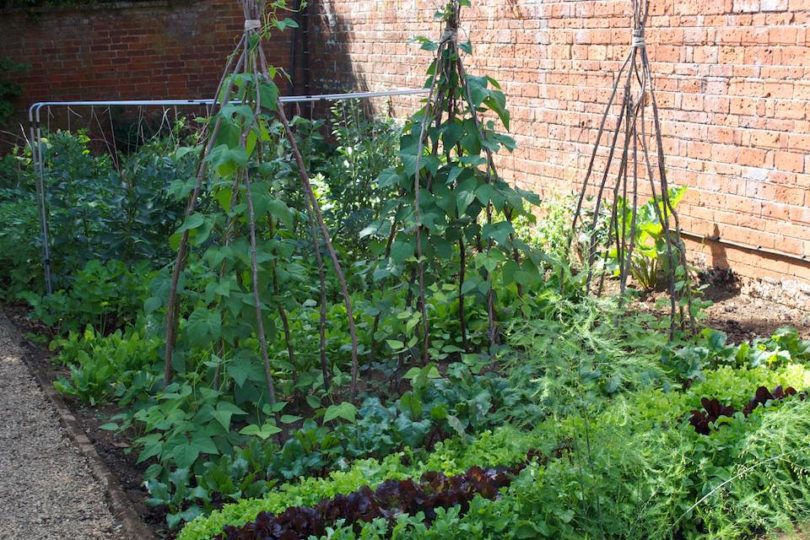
(34,113)
(36,137)
(34,110)
(759,249)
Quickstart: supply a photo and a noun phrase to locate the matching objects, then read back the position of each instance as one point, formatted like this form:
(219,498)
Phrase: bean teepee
(619,194)
(450,189)
(236,138)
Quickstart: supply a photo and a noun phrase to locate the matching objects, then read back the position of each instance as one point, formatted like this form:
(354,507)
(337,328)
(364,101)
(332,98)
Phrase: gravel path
(46,488)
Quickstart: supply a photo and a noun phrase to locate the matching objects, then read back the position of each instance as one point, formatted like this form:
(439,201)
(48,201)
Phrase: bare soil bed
(745,317)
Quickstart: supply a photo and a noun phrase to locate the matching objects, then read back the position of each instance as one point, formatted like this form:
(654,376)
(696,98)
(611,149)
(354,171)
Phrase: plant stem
(182,251)
(254,267)
(316,244)
(316,211)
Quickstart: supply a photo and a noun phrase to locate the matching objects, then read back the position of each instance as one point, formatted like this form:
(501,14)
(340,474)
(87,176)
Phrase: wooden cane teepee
(450,189)
(619,194)
(238,133)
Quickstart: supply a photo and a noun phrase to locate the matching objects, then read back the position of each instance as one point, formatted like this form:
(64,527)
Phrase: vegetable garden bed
(357,329)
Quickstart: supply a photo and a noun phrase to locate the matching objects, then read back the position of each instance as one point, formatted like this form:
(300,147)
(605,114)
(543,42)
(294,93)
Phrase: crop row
(390,499)
(703,420)
(628,440)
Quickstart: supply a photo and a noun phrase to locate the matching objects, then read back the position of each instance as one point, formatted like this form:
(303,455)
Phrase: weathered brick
(789,161)
(148,51)
(746,6)
(774,5)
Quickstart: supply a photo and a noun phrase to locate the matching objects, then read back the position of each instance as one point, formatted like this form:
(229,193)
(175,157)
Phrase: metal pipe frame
(703,238)
(37,147)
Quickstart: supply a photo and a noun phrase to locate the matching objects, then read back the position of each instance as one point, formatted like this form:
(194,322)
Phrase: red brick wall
(731,77)
(128,50)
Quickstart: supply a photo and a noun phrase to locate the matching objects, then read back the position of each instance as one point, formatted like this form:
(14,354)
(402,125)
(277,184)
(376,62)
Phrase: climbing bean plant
(453,216)
(245,242)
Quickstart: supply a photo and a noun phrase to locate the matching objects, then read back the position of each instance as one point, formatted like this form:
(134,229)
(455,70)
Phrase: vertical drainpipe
(305,47)
(291,85)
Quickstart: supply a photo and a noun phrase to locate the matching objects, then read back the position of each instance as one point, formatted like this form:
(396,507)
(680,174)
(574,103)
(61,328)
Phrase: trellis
(450,98)
(248,61)
(638,94)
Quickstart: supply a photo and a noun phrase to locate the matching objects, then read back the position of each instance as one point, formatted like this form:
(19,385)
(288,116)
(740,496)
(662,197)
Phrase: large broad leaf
(281,212)
(402,249)
(530,196)
(504,140)
(445,199)
(268,94)
(193,221)
(220,289)
(470,284)
(473,161)
(205,443)
(529,275)
(456,424)
(243,368)
(224,412)
(411,405)
(344,410)
(465,194)
(204,326)
(471,142)
(283,24)
(420,376)
(478,89)
(496,102)
(223,196)
(499,232)
(229,132)
(441,247)
(455,173)
(409,161)
(484,193)
(186,453)
(510,269)
(202,233)
(389,178)
(412,433)
(264,432)
(426,43)
(226,161)
(183,151)
(152,446)
(180,189)
(452,133)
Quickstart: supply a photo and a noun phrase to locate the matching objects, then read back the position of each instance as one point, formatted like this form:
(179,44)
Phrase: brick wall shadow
(334,67)
(124,50)
(719,257)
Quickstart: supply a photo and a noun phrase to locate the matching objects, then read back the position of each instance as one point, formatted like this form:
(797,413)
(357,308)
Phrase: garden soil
(744,317)
(47,489)
(741,316)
